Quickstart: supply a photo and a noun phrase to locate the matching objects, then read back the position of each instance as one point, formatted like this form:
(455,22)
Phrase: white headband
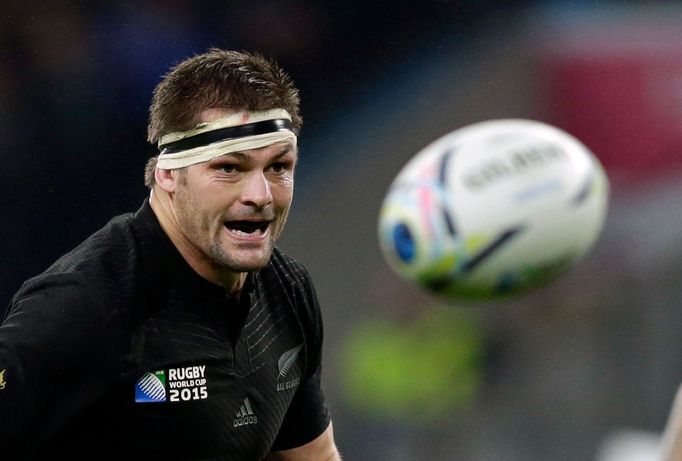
(236,132)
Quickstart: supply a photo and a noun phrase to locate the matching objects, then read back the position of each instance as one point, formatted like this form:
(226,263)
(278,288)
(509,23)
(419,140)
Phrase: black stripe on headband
(223,134)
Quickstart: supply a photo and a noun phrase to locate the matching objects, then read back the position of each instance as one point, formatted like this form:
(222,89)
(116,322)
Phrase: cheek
(195,209)
(283,198)
(283,190)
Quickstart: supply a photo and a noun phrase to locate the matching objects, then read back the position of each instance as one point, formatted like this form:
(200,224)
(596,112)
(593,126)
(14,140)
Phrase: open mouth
(247,228)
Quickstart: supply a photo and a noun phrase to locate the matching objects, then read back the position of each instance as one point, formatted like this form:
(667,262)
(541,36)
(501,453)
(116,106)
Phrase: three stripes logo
(151,387)
(245,415)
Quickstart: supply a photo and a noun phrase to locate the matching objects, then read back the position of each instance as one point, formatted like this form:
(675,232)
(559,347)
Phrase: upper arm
(53,346)
(322,448)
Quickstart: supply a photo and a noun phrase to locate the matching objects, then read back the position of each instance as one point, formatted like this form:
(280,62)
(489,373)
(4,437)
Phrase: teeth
(240,232)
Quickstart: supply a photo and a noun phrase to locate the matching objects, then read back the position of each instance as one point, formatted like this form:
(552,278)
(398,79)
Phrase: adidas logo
(245,415)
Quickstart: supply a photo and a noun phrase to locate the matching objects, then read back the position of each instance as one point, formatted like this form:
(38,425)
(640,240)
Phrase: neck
(162,207)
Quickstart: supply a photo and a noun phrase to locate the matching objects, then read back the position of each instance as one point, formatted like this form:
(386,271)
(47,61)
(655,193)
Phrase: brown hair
(217,79)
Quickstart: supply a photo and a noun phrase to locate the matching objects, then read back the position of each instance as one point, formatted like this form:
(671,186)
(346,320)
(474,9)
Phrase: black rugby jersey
(120,350)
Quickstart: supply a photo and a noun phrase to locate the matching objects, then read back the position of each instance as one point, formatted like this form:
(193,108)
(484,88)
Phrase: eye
(280,167)
(228,168)
(283,167)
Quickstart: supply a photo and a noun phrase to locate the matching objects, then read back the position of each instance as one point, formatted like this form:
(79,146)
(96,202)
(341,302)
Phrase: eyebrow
(287,149)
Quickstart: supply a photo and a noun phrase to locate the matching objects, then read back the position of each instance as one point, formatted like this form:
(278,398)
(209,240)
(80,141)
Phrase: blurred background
(584,369)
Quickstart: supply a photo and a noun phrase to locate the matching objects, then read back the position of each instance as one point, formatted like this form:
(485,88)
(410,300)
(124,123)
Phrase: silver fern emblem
(287,360)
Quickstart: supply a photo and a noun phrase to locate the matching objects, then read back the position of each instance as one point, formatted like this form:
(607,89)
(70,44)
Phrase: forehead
(214,113)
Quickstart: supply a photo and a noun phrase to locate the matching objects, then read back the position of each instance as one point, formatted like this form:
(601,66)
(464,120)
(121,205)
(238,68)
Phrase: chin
(246,263)
(246,267)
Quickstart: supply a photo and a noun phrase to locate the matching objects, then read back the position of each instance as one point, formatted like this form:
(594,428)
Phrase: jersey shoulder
(290,269)
(107,251)
(98,271)
(295,280)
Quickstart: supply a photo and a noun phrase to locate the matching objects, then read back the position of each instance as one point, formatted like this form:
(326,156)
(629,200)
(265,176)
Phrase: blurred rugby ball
(493,209)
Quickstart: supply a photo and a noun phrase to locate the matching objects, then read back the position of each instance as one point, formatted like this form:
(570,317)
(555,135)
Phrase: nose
(256,191)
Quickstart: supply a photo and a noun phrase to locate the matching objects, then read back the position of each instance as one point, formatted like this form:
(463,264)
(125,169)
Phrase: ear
(166,179)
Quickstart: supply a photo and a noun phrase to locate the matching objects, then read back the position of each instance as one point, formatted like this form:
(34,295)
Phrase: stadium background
(576,371)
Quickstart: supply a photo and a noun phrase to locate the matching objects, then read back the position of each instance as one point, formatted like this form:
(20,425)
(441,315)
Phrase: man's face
(233,208)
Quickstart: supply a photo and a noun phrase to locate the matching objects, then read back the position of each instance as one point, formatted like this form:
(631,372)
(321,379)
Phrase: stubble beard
(223,260)
(206,240)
